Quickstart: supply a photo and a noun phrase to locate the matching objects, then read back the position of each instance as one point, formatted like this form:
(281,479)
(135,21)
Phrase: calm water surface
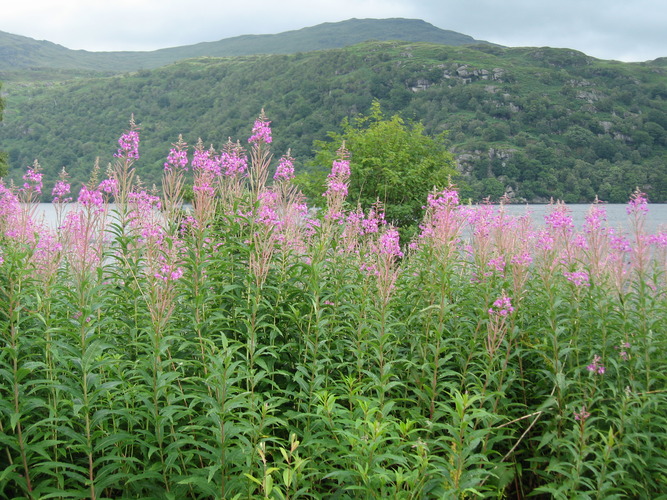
(616,214)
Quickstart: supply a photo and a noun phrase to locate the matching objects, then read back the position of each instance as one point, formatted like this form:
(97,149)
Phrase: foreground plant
(249,347)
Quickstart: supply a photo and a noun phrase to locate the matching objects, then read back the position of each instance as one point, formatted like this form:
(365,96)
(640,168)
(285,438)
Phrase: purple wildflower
(285,170)
(497,264)
(89,197)
(638,203)
(233,160)
(109,186)
(444,199)
(581,415)
(177,159)
(502,307)
(624,353)
(261,131)
(595,219)
(596,367)
(659,239)
(559,218)
(60,191)
(523,259)
(389,243)
(33,179)
(580,278)
(128,145)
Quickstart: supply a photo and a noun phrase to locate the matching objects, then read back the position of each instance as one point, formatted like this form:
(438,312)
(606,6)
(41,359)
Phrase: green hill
(530,122)
(23,58)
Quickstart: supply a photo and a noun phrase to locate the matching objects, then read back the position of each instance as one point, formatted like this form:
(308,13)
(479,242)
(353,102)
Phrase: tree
(393,162)
(4,167)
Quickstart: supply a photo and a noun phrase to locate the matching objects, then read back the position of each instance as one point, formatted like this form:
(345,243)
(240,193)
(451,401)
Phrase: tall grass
(250,348)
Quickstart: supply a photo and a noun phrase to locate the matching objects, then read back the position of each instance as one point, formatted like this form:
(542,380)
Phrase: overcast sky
(625,30)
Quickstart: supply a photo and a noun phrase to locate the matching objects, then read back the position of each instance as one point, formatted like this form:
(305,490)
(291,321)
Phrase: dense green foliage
(247,350)
(541,122)
(391,162)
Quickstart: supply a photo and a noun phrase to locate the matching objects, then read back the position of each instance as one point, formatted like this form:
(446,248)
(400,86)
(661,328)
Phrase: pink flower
(335,186)
(596,367)
(659,239)
(33,180)
(624,354)
(109,186)
(268,214)
(232,161)
(502,307)
(443,199)
(340,168)
(60,191)
(578,278)
(638,203)
(177,159)
(90,197)
(389,243)
(559,218)
(261,131)
(498,264)
(582,415)
(128,145)
(523,259)
(285,170)
(595,219)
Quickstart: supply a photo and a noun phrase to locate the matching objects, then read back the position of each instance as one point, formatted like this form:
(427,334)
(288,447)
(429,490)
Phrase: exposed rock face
(466,161)
(466,74)
(422,84)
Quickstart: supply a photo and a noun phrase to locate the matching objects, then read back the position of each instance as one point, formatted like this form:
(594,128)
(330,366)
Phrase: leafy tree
(391,161)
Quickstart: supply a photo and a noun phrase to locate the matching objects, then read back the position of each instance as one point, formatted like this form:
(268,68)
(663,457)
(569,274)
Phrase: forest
(529,124)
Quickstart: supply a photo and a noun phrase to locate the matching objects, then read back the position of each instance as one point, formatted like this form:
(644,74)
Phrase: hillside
(23,58)
(532,122)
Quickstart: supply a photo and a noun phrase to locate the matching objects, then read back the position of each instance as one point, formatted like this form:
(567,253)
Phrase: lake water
(616,215)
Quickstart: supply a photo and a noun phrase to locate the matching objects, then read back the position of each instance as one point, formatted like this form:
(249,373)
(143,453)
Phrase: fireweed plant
(249,347)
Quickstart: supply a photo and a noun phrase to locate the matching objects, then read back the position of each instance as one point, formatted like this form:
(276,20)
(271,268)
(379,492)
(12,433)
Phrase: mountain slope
(531,122)
(21,53)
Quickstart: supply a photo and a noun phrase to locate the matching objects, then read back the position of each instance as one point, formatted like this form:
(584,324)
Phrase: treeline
(533,123)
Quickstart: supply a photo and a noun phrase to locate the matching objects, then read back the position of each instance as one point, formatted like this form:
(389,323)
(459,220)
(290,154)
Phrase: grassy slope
(529,106)
(21,56)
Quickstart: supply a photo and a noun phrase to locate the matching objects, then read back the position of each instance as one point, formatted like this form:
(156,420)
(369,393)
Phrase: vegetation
(391,162)
(526,122)
(3,156)
(23,57)
(248,349)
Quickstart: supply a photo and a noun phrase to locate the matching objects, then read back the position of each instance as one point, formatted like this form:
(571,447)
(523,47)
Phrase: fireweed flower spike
(260,154)
(285,170)
(261,130)
(123,171)
(638,203)
(177,159)
(498,313)
(60,191)
(581,415)
(502,307)
(579,278)
(337,183)
(129,143)
(33,180)
(596,367)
